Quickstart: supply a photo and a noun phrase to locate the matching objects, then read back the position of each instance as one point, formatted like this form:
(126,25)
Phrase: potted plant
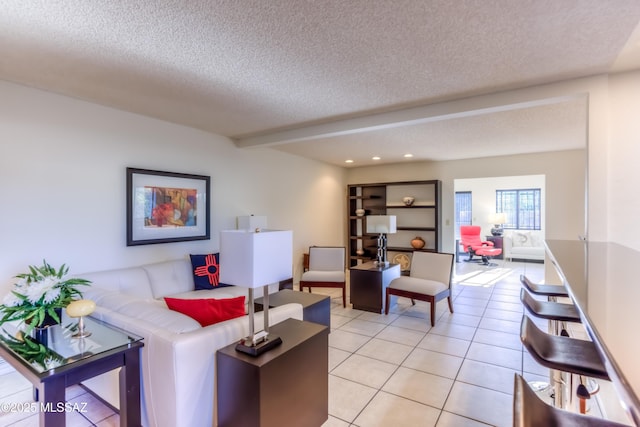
(39,296)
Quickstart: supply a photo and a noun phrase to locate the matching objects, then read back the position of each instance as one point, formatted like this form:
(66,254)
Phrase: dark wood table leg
(130,389)
(52,401)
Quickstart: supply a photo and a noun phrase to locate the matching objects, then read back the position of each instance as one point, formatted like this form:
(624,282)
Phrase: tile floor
(396,370)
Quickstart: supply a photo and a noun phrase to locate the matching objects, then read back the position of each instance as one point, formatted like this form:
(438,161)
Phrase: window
(463,210)
(521,207)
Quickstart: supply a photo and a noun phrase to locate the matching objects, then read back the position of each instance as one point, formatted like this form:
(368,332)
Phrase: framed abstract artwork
(165,207)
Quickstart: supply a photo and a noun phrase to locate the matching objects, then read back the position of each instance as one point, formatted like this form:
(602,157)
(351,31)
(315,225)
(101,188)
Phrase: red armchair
(474,245)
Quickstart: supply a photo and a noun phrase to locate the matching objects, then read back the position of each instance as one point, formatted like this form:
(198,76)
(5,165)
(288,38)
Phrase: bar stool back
(546,290)
(530,411)
(562,353)
(554,311)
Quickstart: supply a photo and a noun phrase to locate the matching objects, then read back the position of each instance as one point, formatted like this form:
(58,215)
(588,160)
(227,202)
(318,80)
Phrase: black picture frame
(167,207)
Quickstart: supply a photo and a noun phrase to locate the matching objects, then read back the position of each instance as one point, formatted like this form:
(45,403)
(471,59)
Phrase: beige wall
(565,183)
(62,175)
(622,193)
(62,178)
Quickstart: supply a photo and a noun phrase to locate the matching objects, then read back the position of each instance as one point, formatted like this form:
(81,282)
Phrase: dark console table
(315,308)
(368,283)
(286,386)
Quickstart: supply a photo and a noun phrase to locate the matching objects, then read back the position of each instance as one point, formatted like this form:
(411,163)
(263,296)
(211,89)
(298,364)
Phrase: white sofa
(521,244)
(178,357)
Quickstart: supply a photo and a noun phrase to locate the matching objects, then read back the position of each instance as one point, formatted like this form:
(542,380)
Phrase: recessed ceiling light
(408,155)
(375,158)
(348,161)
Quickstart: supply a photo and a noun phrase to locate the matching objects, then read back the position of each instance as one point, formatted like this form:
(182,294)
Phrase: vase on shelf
(408,200)
(418,242)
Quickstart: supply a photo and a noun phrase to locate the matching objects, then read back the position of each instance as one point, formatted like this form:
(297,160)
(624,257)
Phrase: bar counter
(603,280)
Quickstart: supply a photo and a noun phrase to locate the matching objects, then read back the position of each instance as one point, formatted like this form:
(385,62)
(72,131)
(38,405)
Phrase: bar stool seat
(549,310)
(562,353)
(546,290)
(530,411)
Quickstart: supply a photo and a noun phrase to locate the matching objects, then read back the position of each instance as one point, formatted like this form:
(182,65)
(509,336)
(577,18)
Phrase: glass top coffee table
(58,360)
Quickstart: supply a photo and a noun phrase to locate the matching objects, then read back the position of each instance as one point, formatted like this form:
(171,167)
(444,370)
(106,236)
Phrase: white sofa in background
(178,358)
(523,244)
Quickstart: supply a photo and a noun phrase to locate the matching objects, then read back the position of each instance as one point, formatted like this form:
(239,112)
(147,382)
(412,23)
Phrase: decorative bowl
(408,200)
(418,242)
(359,212)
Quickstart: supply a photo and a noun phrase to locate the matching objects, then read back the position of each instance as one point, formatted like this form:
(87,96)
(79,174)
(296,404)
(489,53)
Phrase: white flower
(51,295)
(36,290)
(21,286)
(11,300)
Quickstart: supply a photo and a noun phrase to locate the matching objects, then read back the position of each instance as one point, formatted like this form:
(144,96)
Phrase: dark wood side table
(315,308)
(368,283)
(78,359)
(285,284)
(497,243)
(286,386)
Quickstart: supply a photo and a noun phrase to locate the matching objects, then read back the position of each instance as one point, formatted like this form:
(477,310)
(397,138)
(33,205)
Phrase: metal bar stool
(552,292)
(559,314)
(530,411)
(545,290)
(552,311)
(562,354)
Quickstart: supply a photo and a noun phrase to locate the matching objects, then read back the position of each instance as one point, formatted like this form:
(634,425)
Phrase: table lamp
(497,219)
(382,224)
(252,260)
(252,222)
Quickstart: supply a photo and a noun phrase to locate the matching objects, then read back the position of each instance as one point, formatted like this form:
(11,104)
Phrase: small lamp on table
(382,224)
(497,219)
(252,260)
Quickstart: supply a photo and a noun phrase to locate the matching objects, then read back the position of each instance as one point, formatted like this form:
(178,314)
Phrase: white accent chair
(429,280)
(326,270)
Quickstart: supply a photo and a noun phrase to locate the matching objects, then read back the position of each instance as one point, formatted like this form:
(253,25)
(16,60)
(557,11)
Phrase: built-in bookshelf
(422,218)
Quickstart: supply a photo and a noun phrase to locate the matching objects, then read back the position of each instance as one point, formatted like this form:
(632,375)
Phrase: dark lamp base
(256,350)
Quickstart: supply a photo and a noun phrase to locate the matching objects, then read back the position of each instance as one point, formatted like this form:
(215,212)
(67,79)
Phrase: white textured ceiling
(252,68)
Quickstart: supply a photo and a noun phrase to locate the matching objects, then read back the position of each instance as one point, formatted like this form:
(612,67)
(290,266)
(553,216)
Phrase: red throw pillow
(208,311)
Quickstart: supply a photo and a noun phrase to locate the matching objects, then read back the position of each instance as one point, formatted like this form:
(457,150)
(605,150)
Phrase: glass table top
(61,348)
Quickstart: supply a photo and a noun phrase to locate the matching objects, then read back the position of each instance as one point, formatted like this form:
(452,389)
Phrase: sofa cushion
(521,239)
(169,277)
(208,311)
(132,281)
(206,271)
(159,316)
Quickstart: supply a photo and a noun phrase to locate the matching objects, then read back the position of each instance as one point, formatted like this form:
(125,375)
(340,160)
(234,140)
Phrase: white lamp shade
(381,224)
(253,260)
(498,218)
(251,222)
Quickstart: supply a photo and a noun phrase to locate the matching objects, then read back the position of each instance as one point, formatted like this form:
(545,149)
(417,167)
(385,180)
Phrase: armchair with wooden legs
(429,280)
(326,270)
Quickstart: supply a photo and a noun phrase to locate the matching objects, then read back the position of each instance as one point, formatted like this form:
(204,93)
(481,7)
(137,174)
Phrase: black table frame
(52,384)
